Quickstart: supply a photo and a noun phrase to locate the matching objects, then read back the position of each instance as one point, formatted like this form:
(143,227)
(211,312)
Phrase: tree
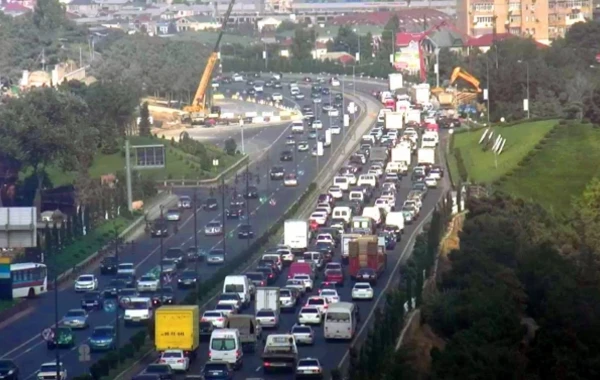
(230,147)
(49,15)
(303,43)
(144,124)
(388,38)
(587,216)
(55,238)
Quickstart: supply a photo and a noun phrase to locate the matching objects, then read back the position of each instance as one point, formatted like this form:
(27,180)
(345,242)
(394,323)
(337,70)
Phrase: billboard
(408,58)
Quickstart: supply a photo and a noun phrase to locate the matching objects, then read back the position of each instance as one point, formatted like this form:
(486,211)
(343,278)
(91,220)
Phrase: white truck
(426,156)
(413,115)
(429,139)
(267,299)
(346,239)
(394,120)
(296,235)
(402,153)
(421,93)
(396,81)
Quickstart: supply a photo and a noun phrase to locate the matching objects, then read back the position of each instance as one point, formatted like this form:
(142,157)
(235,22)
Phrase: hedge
(460,163)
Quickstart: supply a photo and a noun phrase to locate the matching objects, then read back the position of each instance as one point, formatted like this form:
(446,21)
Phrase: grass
(5,305)
(481,165)
(179,165)
(560,170)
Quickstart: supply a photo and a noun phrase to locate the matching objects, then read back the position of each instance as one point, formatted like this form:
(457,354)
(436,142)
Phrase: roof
(201,19)
(445,38)
(14,7)
(412,19)
(487,40)
(404,39)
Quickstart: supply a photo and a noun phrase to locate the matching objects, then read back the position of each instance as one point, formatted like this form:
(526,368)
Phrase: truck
(394,120)
(346,239)
(414,116)
(402,153)
(420,93)
(266,299)
(296,235)
(280,352)
(249,328)
(378,153)
(426,156)
(366,252)
(446,99)
(177,327)
(396,81)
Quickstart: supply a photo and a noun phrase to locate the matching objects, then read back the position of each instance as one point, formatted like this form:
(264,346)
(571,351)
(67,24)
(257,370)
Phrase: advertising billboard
(408,58)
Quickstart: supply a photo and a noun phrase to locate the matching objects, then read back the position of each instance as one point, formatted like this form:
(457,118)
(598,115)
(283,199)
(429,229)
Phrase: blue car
(312,135)
(217,371)
(103,338)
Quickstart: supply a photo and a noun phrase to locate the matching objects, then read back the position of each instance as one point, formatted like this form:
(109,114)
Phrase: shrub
(462,169)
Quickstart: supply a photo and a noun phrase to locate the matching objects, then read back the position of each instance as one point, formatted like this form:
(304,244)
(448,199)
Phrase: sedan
(86,282)
(431,182)
(245,232)
(226,309)
(303,334)
(92,300)
(310,315)
(331,295)
(335,129)
(8,370)
(217,371)
(216,256)
(163,371)
(277,97)
(216,317)
(184,202)
(267,318)
(299,96)
(102,338)
(312,135)
(174,215)
(187,279)
(362,291)
(303,146)
(230,299)
(166,296)
(234,212)
(318,302)
(148,283)
(317,124)
(309,367)
(176,359)
(126,268)
(210,204)
(336,192)
(214,228)
(287,155)
(319,217)
(76,319)
(290,180)
(368,275)
(334,276)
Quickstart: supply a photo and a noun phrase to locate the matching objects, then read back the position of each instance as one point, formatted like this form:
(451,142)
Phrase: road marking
(258,368)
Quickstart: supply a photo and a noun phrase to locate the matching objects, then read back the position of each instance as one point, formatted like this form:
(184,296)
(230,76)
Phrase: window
(234,288)
(483,19)
(28,275)
(337,317)
(514,6)
(483,7)
(223,344)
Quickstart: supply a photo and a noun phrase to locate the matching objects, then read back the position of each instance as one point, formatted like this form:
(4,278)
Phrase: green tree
(144,124)
(49,15)
(230,147)
(303,43)
(388,38)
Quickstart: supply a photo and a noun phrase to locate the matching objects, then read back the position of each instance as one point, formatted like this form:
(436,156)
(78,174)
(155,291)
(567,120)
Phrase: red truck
(366,252)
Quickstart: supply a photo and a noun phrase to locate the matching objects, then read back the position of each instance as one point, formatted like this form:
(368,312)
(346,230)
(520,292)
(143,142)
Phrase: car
(108,265)
(126,268)
(176,359)
(316,100)
(259,87)
(211,204)
(302,146)
(159,228)
(194,253)
(92,300)
(317,124)
(318,302)
(187,279)
(8,370)
(362,291)
(164,296)
(325,141)
(251,192)
(431,182)
(174,215)
(277,85)
(367,275)
(336,192)
(216,317)
(62,337)
(103,338)
(177,254)
(326,107)
(335,129)
(215,256)
(214,228)
(287,299)
(232,298)
(217,370)
(250,82)
(277,97)
(291,140)
(237,200)
(303,334)
(309,114)
(290,180)
(164,371)
(309,368)
(86,282)
(312,135)
(269,273)
(334,276)
(306,280)
(334,112)
(226,309)
(286,155)
(307,108)
(331,295)
(310,315)
(235,212)
(49,370)
(75,319)
(299,96)
(148,283)
(257,278)
(184,202)
(267,318)
(237,78)
(114,286)
(126,294)
(245,232)
(335,82)
(277,172)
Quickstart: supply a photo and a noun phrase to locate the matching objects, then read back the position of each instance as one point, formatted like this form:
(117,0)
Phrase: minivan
(342,182)
(225,346)
(367,179)
(342,212)
(357,195)
(241,285)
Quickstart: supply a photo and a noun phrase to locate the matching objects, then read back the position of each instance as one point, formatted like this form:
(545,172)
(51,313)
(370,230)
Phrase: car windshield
(309,310)
(86,278)
(172,354)
(167,262)
(265,313)
(214,224)
(48,368)
(302,277)
(215,367)
(188,274)
(302,330)
(6,364)
(173,252)
(126,266)
(333,272)
(329,292)
(308,363)
(255,276)
(158,368)
(316,301)
(224,307)
(91,295)
(147,278)
(212,314)
(223,344)
(366,271)
(229,297)
(137,305)
(362,286)
(102,332)
(216,252)
(75,313)
(285,293)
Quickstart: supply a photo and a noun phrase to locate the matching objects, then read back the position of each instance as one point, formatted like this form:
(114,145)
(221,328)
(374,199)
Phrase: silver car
(184,202)
(169,266)
(215,256)
(213,229)
(303,334)
(76,319)
(267,318)
(174,215)
(287,299)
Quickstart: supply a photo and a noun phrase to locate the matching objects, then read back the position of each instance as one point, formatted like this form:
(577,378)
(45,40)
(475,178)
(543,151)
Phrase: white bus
(28,279)
(341,320)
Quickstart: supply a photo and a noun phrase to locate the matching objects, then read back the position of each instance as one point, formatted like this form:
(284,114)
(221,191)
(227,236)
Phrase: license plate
(277,364)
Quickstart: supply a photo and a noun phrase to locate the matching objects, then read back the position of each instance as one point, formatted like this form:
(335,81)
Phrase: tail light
(220,319)
(262,283)
(180,361)
(266,364)
(270,276)
(272,320)
(238,353)
(209,354)
(289,276)
(204,320)
(162,361)
(326,306)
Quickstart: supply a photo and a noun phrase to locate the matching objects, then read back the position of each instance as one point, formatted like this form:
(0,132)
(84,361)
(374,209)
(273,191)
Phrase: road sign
(48,334)
(352,108)
(273,202)
(84,353)
(109,305)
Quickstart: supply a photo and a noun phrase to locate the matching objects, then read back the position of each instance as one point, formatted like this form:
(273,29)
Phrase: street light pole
(526,101)
(223,213)
(162,223)
(487,95)
(117,327)
(54,253)
(196,257)
(247,203)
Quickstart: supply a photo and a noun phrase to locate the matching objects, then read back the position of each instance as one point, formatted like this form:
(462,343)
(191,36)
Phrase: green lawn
(560,170)
(481,165)
(5,305)
(179,165)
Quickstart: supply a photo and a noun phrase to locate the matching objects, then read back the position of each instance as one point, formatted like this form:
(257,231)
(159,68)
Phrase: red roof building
(404,39)
(485,41)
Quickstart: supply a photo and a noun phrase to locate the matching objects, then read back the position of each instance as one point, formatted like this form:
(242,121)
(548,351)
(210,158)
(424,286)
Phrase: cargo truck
(396,81)
(280,353)
(296,235)
(346,239)
(267,299)
(177,327)
(402,153)
(366,252)
(426,156)
(414,116)
(394,120)
(249,329)
(378,153)
(420,93)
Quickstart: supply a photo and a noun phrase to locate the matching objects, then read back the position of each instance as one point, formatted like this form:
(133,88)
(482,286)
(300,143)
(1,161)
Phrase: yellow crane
(197,110)
(459,72)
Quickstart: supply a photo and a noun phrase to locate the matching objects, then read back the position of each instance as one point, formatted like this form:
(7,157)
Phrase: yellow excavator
(197,111)
(459,72)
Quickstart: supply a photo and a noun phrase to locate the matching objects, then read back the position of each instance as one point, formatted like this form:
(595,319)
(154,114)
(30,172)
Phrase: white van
(239,284)
(395,218)
(367,179)
(374,213)
(341,320)
(298,126)
(342,182)
(138,310)
(357,195)
(225,346)
(342,212)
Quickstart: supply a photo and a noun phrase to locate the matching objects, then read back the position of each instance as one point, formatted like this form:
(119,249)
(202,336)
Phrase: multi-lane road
(22,340)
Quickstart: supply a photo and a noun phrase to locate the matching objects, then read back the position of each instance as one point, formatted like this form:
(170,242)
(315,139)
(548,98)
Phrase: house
(197,23)
(14,9)
(319,50)
(92,8)
(340,57)
(486,41)
(269,23)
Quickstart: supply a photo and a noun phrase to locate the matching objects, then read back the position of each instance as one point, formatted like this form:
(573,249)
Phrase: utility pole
(268,179)
(247,203)
(128,175)
(487,90)
(117,327)
(161,223)
(196,257)
(224,220)
(53,252)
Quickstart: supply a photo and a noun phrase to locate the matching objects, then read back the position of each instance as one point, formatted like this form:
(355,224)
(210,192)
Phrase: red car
(334,276)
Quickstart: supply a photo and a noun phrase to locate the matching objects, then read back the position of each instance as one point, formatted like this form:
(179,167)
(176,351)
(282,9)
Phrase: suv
(160,228)
(277,172)
(109,265)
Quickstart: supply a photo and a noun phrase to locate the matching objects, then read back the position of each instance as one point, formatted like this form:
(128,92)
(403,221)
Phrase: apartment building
(543,20)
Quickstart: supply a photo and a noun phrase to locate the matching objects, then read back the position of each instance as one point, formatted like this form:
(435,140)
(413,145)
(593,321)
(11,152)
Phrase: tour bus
(28,279)
(341,320)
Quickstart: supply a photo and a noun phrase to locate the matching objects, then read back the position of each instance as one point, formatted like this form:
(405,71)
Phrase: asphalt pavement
(22,341)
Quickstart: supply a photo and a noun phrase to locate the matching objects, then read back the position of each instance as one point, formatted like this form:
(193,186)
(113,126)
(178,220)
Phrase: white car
(216,317)
(318,302)
(290,180)
(303,334)
(126,268)
(362,291)
(317,124)
(384,204)
(296,284)
(238,78)
(316,100)
(335,129)
(327,107)
(331,295)
(314,152)
(334,112)
(176,359)
(306,280)
(303,146)
(308,367)
(319,217)
(299,96)
(267,318)
(259,88)
(431,181)
(48,371)
(336,192)
(335,82)
(226,309)
(325,238)
(148,283)
(326,206)
(86,282)
(287,256)
(351,178)
(310,316)
(277,97)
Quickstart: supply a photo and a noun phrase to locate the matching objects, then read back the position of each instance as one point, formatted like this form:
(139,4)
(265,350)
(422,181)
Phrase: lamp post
(247,203)
(526,101)
(242,132)
(52,252)
(196,257)
(162,251)
(117,326)
(223,189)
(487,90)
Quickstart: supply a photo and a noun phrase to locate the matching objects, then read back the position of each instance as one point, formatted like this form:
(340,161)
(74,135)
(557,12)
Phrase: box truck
(177,327)
(394,120)
(367,252)
(426,156)
(396,81)
(296,235)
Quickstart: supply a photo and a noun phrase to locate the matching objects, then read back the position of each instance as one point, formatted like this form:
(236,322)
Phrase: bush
(462,169)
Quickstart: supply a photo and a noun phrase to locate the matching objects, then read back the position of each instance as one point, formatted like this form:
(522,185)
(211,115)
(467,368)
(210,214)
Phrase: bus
(28,279)
(341,320)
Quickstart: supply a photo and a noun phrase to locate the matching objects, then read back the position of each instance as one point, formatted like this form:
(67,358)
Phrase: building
(563,14)
(197,23)
(268,23)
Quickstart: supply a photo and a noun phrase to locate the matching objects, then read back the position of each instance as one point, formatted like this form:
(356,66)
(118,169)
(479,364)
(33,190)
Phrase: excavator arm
(458,72)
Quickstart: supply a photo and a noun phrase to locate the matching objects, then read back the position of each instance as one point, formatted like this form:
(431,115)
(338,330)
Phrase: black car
(194,254)
(160,228)
(113,288)
(287,155)
(251,91)
(367,275)
(245,232)
(307,108)
(206,329)
(277,85)
(127,278)
(109,265)
(176,254)
(393,230)
(277,172)
(325,91)
(234,212)
(210,204)
(268,263)
(91,300)
(8,370)
(164,371)
(251,193)
(250,82)
(269,274)
(237,201)
(164,297)
(187,279)
(146,376)
(339,96)
(269,83)
(257,278)
(217,371)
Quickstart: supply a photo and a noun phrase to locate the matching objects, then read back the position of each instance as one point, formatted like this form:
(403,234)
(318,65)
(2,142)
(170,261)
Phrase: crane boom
(199,103)
(459,72)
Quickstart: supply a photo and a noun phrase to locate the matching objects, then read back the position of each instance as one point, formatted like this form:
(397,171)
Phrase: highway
(22,338)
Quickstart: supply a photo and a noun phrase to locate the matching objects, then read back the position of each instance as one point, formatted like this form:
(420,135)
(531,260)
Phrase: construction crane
(197,110)
(458,72)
